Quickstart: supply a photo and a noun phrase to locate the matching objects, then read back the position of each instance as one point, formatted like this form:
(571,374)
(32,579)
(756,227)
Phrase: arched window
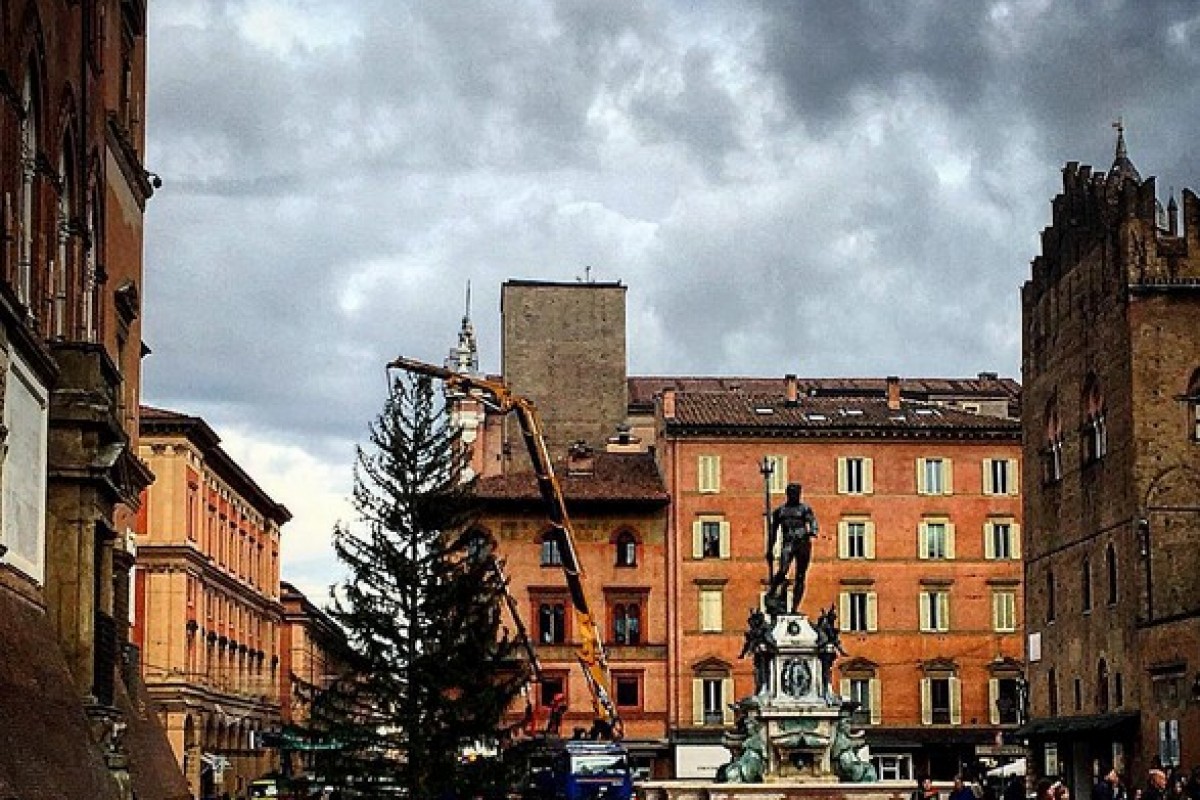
(551,550)
(626,549)
(1085,584)
(27,210)
(1095,427)
(1102,687)
(62,265)
(1053,471)
(88,322)
(1110,562)
(1050,610)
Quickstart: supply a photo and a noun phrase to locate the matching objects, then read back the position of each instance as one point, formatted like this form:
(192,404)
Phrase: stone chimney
(893,392)
(625,441)
(668,403)
(791,390)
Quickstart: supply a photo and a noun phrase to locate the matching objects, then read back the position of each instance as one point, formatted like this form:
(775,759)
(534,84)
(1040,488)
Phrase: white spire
(464,357)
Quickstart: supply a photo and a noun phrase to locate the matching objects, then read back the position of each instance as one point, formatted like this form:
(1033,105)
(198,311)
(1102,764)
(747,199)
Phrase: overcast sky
(827,188)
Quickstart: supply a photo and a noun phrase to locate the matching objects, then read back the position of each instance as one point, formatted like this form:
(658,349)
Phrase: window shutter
(922,541)
(1013,477)
(724,544)
(698,539)
(993,700)
(726,698)
(844,608)
(844,687)
(872,611)
(697,701)
(997,611)
(989,485)
(779,477)
(943,603)
(947,476)
(1014,530)
(949,540)
(843,540)
(921,488)
(926,703)
(923,606)
(989,541)
(868,476)
(842,469)
(876,696)
(870,547)
(955,701)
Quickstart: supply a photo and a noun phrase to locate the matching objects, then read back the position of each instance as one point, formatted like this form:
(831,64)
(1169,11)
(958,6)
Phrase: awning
(1088,723)
(912,738)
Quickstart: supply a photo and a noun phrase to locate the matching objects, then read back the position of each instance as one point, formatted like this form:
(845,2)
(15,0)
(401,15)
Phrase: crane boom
(496,395)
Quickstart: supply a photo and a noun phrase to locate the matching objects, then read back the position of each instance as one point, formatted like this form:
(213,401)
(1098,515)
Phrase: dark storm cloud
(848,188)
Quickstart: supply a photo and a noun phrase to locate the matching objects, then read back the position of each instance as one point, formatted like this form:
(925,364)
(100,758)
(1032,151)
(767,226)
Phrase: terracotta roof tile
(616,477)
(704,412)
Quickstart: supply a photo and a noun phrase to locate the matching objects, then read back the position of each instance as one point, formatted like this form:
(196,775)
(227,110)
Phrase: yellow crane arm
(496,395)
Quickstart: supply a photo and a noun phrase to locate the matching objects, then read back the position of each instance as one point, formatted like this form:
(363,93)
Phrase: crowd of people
(1159,785)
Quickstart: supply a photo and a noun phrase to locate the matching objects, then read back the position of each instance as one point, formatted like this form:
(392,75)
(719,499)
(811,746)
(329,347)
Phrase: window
(551,685)
(1118,690)
(1102,686)
(935,610)
(856,539)
(711,609)
(855,475)
(1193,401)
(1110,561)
(859,610)
(626,549)
(552,621)
(891,767)
(1053,453)
(627,622)
(1001,540)
(478,547)
(941,700)
(714,700)
(936,540)
(1004,700)
(709,474)
(628,690)
(865,692)
(1052,691)
(934,476)
(1050,609)
(1085,585)
(1000,476)
(27,204)
(551,550)
(710,538)
(1078,694)
(1004,611)
(1095,426)
(777,479)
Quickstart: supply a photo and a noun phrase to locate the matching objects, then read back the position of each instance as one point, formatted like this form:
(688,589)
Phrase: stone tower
(1111,429)
(563,346)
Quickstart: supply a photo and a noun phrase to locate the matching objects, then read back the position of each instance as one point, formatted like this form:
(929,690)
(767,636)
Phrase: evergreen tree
(421,607)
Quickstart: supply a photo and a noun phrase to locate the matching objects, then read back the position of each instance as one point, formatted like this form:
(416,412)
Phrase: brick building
(72,194)
(939,692)
(208,610)
(1111,326)
(920,519)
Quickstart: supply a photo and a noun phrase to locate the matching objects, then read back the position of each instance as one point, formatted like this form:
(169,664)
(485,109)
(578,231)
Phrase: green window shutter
(872,611)
(724,544)
(697,701)
(947,476)
(844,608)
(943,602)
(996,611)
(843,539)
(949,540)
(842,483)
(923,610)
(922,541)
(955,701)
(989,486)
(921,488)
(1014,530)
(868,476)
(993,698)
(727,701)
(926,703)
(876,701)
(698,539)
(989,542)
(1013,477)
(870,539)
